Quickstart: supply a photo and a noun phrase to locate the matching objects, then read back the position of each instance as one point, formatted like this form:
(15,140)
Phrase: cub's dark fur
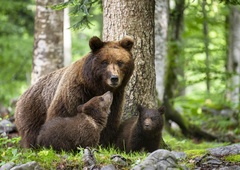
(141,132)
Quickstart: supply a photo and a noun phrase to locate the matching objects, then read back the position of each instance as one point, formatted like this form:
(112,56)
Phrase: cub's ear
(161,110)
(95,43)
(127,43)
(80,108)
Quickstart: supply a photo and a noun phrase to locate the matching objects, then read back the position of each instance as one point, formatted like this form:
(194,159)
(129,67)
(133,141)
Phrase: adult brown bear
(108,67)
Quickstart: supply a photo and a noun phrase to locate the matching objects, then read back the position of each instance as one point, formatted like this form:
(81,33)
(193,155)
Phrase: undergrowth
(49,159)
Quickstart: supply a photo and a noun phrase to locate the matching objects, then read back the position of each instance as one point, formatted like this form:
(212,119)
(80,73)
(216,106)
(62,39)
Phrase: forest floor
(189,153)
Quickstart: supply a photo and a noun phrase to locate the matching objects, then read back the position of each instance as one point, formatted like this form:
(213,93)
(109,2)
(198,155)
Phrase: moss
(195,153)
(232,158)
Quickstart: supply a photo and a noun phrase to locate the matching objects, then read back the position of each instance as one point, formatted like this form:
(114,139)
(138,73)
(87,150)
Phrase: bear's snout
(114,79)
(147,124)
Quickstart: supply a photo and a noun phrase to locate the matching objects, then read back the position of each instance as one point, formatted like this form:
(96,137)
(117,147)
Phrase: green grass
(10,151)
(48,158)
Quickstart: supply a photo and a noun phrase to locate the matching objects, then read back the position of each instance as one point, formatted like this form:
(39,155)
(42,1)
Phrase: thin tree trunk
(48,39)
(206,44)
(176,19)
(136,19)
(233,65)
(161,29)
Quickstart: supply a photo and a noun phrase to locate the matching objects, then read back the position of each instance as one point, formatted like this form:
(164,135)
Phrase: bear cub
(142,132)
(81,130)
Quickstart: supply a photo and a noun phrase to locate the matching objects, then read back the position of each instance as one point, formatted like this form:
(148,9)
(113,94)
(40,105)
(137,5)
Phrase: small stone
(6,126)
(119,160)
(108,167)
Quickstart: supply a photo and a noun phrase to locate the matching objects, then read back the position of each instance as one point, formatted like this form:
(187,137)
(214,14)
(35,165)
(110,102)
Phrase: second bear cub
(81,130)
(141,132)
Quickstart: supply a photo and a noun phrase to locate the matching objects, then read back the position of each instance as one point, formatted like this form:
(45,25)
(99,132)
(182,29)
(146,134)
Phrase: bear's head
(112,62)
(151,119)
(98,107)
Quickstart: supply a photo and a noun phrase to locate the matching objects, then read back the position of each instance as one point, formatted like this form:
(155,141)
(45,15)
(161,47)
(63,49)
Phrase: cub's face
(151,119)
(112,63)
(98,106)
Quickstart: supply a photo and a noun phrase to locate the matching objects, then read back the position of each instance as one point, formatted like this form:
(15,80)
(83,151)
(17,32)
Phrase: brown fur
(142,132)
(81,130)
(108,67)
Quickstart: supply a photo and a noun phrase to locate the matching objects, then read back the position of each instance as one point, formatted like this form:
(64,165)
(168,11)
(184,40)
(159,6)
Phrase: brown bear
(108,67)
(142,132)
(82,130)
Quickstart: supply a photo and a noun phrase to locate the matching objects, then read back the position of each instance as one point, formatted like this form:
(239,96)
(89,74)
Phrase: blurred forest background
(205,54)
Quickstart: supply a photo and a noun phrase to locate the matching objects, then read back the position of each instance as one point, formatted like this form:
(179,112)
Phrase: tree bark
(48,39)
(67,38)
(161,29)
(136,19)
(233,65)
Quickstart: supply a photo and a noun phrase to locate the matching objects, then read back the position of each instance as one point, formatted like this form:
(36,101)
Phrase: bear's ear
(127,43)
(161,110)
(95,43)
(80,108)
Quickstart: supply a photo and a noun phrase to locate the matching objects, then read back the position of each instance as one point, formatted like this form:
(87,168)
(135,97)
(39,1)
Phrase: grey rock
(7,166)
(28,166)
(119,160)
(225,150)
(88,157)
(6,126)
(227,112)
(108,167)
(179,155)
(234,167)
(159,160)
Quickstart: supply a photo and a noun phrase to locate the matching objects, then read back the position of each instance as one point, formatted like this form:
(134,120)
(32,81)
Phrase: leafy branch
(79,8)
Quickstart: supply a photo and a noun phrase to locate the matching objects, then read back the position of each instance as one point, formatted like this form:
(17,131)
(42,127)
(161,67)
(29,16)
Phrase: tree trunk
(48,39)
(173,69)
(67,38)
(206,44)
(136,19)
(175,26)
(233,65)
(161,29)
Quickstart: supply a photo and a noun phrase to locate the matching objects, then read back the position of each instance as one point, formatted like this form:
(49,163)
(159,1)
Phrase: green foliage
(187,145)
(232,2)
(15,63)
(9,150)
(16,17)
(80,10)
(16,44)
(195,59)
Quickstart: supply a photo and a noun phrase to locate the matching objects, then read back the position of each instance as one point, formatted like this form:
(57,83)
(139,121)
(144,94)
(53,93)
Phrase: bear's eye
(104,62)
(120,63)
(101,99)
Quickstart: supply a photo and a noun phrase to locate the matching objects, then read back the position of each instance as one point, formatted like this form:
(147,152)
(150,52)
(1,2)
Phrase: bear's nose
(114,79)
